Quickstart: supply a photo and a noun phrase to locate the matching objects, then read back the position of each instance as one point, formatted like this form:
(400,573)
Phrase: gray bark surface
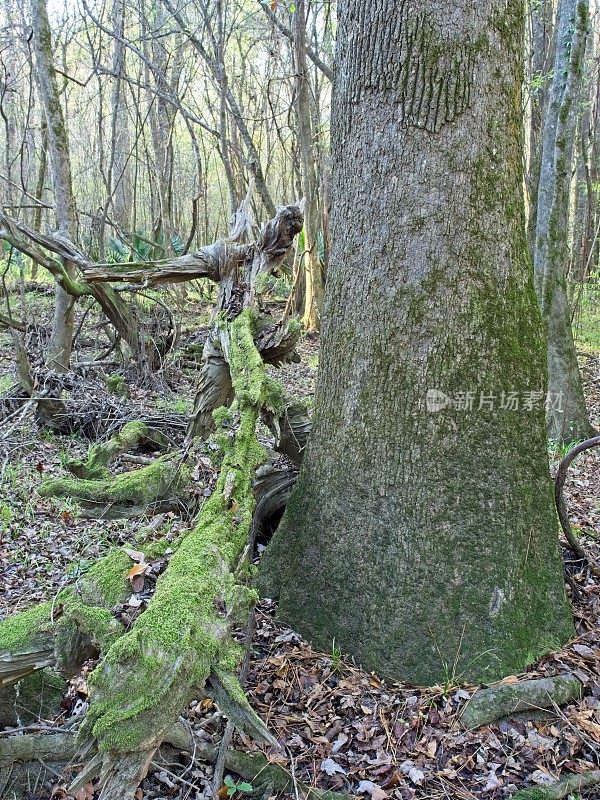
(567,415)
(426,541)
(313,282)
(59,347)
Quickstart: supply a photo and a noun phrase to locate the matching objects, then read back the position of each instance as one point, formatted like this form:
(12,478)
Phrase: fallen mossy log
(181,642)
(564,787)
(79,623)
(174,647)
(156,487)
(495,702)
(61,748)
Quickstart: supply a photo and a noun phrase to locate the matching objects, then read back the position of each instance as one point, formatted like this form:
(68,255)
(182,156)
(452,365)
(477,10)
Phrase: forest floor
(342,728)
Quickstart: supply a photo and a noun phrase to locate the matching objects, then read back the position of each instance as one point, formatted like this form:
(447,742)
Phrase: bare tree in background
(567,415)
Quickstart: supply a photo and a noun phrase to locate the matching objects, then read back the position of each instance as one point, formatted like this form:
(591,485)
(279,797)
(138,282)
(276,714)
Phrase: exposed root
(562,788)
(563,515)
(504,699)
(100,455)
(61,748)
(155,487)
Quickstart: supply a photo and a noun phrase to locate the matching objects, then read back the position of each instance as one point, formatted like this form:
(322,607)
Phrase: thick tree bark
(425,532)
(567,413)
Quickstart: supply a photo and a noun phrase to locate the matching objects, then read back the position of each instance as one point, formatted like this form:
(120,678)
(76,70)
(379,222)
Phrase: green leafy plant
(117,252)
(336,657)
(558,450)
(234,788)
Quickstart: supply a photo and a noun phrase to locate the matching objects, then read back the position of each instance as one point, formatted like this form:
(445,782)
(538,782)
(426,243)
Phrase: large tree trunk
(421,535)
(567,413)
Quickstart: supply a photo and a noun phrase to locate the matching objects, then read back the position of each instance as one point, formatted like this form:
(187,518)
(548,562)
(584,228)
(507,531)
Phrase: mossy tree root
(488,705)
(563,787)
(59,749)
(180,647)
(154,487)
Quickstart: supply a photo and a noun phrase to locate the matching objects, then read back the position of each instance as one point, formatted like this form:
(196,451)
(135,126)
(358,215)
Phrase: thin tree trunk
(567,413)
(59,348)
(117,186)
(540,14)
(313,294)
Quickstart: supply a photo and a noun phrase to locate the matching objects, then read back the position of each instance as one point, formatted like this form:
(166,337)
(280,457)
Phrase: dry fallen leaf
(137,569)
(431,748)
(135,555)
(85,793)
(330,766)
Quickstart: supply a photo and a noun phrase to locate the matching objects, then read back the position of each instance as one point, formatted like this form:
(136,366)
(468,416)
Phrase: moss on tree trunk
(421,535)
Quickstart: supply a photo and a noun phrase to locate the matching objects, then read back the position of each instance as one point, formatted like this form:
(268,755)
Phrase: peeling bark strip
(431,74)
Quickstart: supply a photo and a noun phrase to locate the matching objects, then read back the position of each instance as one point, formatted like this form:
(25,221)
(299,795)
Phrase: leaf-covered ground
(341,727)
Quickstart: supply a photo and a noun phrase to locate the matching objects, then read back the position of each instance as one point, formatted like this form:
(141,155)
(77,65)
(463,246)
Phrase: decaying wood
(208,262)
(47,250)
(275,343)
(180,646)
(76,625)
(157,487)
(272,487)
(291,429)
(61,748)
(217,261)
(72,403)
(186,625)
(98,457)
(502,700)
